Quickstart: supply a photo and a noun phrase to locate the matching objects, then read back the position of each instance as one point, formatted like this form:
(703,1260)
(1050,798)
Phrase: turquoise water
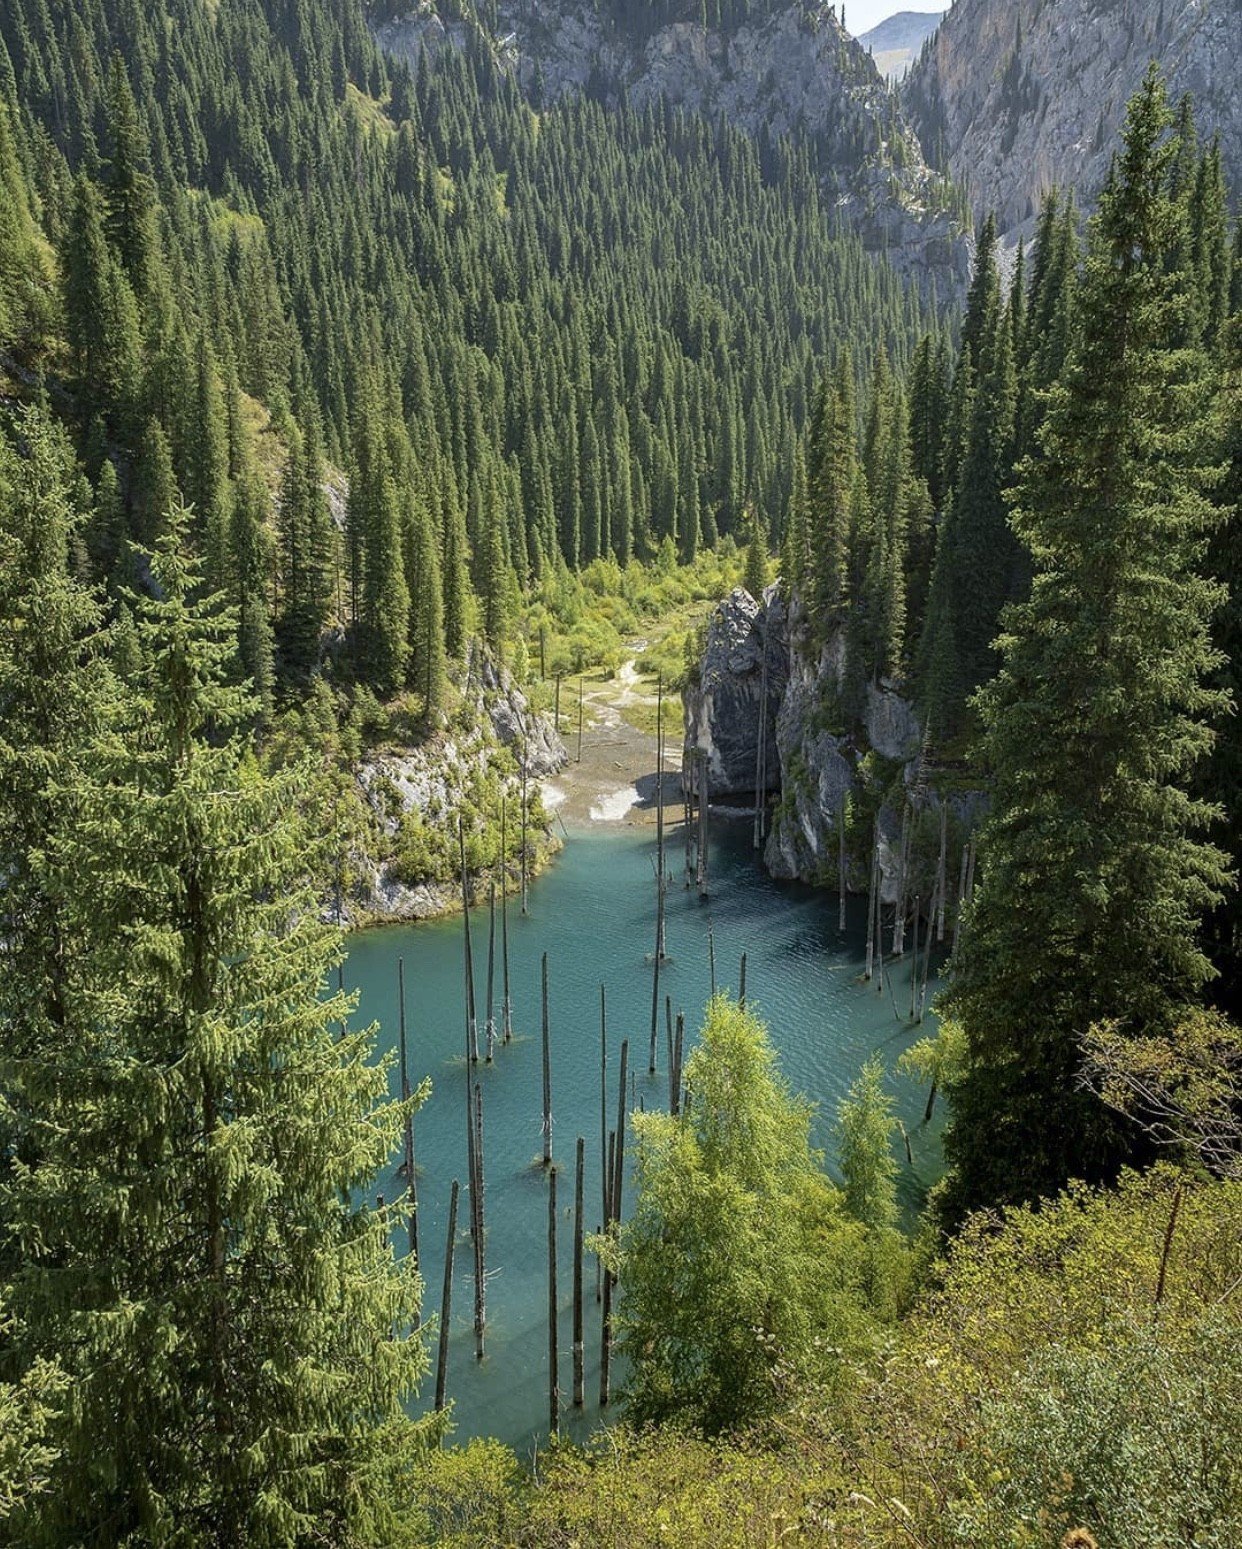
(593,914)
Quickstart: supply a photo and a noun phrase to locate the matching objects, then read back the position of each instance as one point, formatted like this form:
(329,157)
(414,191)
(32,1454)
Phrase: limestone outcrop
(867,770)
(402,864)
(727,698)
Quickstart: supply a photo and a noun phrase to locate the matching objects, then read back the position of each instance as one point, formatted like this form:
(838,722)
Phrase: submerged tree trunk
(446,1301)
(580,1166)
(547,1071)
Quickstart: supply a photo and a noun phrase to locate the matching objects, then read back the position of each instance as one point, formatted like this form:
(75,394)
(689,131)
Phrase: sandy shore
(614,781)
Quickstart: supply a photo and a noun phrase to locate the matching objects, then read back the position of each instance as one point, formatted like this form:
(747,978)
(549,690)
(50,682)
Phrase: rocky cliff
(786,66)
(1018,96)
(403,863)
(869,774)
(727,699)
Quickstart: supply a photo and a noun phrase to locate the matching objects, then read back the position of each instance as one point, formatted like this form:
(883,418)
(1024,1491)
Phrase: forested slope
(469,307)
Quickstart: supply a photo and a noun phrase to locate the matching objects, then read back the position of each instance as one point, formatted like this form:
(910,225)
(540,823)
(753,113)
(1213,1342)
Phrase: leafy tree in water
(239,1337)
(1095,871)
(739,1267)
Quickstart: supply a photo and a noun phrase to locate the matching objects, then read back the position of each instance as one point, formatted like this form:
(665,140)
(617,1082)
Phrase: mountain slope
(775,71)
(895,43)
(1015,96)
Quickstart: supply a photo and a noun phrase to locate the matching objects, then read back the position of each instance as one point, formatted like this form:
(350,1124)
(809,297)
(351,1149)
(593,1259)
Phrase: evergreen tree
(155,487)
(1095,873)
(426,590)
(831,487)
(54,688)
(384,623)
(226,1314)
(455,625)
(24,287)
(756,577)
(129,189)
(101,316)
(305,553)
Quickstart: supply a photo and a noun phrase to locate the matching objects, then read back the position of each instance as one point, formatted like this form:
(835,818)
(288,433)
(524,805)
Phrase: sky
(862,15)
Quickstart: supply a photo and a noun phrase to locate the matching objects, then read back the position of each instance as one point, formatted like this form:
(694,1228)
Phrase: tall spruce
(1095,869)
(240,1338)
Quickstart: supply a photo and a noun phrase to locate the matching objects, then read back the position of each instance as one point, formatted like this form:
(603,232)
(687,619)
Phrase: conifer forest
(620,779)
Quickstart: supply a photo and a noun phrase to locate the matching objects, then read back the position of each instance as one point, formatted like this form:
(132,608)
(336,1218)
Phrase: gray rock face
(797,67)
(893,729)
(895,43)
(818,771)
(1028,96)
(724,705)
(514,723)
(430,781)
(819,764)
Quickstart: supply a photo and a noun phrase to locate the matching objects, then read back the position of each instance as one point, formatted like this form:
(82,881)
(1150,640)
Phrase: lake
(593,914)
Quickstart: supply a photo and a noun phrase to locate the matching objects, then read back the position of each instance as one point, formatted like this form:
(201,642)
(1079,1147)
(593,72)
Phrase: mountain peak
(895,42)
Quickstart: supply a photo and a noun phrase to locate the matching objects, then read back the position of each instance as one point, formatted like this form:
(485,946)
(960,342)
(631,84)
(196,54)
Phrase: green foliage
(1070,1379)
(28,1410)
(25,289)
(739,1270)
(1138,1440)
(424,278)
(190,1108)
(1069,1373)
(865,1129)
(1095,872)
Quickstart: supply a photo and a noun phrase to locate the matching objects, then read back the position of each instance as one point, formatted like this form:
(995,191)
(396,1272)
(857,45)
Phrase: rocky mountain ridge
(895,43)
(790,66)
(1014,97)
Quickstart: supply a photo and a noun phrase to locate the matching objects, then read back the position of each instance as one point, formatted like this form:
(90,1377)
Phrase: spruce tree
(426,606)
(831,461)
(129,188)
(54,688)
(384,624)
(240,1340)
(1095,871)
(756,577)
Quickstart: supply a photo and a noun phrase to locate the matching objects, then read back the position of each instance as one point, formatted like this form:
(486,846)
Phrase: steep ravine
(791,66)
(872,772)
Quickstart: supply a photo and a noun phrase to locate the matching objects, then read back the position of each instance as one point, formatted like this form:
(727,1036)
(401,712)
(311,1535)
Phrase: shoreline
(589,791)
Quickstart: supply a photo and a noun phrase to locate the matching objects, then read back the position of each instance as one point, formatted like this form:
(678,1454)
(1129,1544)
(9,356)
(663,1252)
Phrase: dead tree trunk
(472,1027)
(554,1387)
(871,891)
(578,1240)
(491,975)
(761,747)
(704,803)
(446,1301)
(506,1003)
(547,1071)
(903,863)
(841,868)
(525,860)
(407,1164)
(480,1230)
